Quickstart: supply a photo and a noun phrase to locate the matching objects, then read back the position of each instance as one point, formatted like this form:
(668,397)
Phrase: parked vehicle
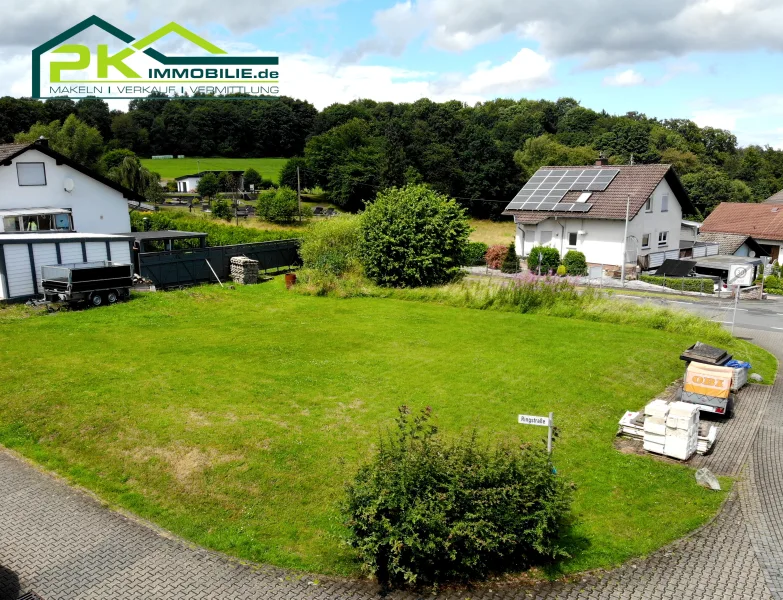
(96,283)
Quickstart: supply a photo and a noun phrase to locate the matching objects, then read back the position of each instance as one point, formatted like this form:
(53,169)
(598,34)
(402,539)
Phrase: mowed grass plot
(235,417)
(171,168)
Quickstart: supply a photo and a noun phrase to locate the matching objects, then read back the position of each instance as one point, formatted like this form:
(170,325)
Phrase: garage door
(96,251)
(45,254)
(71,253)
(17,270)
(120,252)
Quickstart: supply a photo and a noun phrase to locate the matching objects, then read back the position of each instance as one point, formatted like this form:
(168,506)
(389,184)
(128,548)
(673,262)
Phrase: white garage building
(53,211)
(22,256)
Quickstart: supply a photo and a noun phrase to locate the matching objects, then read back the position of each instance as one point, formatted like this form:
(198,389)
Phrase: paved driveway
(62,544)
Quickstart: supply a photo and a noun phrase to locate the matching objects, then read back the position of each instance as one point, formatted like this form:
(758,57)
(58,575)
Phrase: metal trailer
(96,283)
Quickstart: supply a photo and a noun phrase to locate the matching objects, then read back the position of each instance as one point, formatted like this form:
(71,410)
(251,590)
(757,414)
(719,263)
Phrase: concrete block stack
(655,414)
(682,430)
(244,270)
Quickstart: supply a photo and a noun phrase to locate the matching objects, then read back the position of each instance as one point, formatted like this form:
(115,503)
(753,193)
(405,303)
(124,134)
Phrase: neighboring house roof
(8,152)
(775,198)
(635,181)
(729,243)
(205,172)
(762,221)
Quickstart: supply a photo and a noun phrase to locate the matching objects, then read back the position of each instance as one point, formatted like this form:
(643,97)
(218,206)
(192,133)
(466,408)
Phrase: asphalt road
(761,315)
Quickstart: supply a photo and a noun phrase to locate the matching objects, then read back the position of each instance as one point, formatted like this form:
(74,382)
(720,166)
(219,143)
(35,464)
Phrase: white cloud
(602,34)
(527,70)
(753,120)
(625,78)
(32,22)
(323,82)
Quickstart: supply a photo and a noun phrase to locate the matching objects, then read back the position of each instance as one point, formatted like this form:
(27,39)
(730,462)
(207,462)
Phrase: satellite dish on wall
(68,184)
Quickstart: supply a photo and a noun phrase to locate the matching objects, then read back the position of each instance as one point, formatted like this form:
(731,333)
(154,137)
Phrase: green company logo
(136,70)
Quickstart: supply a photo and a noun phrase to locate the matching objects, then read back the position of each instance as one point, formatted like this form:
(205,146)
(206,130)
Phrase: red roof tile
(762,221)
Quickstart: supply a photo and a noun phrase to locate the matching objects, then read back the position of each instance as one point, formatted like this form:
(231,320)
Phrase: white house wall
(655,222)
(601,241)
(96,208)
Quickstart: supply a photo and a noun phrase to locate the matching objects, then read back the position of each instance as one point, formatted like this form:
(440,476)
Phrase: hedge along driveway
(234,417)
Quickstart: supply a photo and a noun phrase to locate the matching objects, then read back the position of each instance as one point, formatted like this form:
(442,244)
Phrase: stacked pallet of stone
(655,414)
(244,270)
(682,430)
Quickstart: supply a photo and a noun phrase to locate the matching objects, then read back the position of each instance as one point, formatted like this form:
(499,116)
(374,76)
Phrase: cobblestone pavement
(63,544)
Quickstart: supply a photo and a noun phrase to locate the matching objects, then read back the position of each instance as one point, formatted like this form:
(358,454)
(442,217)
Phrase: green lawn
(171,168)
(234,417)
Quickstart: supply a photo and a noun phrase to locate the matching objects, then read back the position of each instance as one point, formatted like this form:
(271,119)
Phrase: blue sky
(715,61)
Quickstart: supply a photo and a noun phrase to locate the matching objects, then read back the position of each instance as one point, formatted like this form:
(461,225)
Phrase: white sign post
(547,422)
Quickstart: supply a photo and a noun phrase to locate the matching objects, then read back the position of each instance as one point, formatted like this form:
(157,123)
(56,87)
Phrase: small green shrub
(510,263)
(544,258)
(426,510)
(772,281)
(221,209)
(413,236)
(474,254)
(332,245)
(278,206)
(561,271)
(574,263)
(495,256)
(685,284)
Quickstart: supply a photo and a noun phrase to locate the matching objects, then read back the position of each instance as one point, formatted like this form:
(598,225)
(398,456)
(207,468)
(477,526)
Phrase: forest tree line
(480,154)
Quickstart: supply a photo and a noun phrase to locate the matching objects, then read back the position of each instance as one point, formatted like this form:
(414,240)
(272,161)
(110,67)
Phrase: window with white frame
(32,173)
(572,239)
(646,240)
(663,238)
(665,203)
(648,205)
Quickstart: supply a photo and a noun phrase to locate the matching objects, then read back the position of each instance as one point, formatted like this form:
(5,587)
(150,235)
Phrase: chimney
(602,161)
(42,141)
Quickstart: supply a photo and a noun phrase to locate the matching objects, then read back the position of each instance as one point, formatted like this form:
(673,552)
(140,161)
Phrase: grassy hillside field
(234,417)
(171,168)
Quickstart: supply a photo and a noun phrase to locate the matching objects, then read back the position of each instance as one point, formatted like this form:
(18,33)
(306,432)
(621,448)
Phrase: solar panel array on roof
(546,189)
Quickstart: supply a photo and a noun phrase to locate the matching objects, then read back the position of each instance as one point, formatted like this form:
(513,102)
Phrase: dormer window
(30,174)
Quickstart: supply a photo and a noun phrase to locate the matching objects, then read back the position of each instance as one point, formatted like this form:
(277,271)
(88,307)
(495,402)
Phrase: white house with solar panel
(585,208)
(53,211)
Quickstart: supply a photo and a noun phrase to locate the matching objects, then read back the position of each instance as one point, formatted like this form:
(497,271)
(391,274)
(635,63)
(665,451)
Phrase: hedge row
(685,284)
(218,234)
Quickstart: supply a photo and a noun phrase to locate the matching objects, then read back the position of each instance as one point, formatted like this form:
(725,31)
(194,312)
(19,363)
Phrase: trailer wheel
(111,296)
(96,300)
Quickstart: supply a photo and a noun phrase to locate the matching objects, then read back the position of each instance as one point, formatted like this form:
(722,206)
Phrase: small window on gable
(648,205)
(663,238)
(665,203)
(572,238)
(32,173)
(646,240)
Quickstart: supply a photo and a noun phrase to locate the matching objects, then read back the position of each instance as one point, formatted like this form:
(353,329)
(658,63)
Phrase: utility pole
(625,240)
(299,193)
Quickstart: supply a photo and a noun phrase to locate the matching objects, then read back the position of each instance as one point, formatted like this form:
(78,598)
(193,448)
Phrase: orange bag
(708,380)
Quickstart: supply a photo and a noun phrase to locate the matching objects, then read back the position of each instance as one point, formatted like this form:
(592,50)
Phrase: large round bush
(426,510)
(413,236)
(543,257)
(575,263)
